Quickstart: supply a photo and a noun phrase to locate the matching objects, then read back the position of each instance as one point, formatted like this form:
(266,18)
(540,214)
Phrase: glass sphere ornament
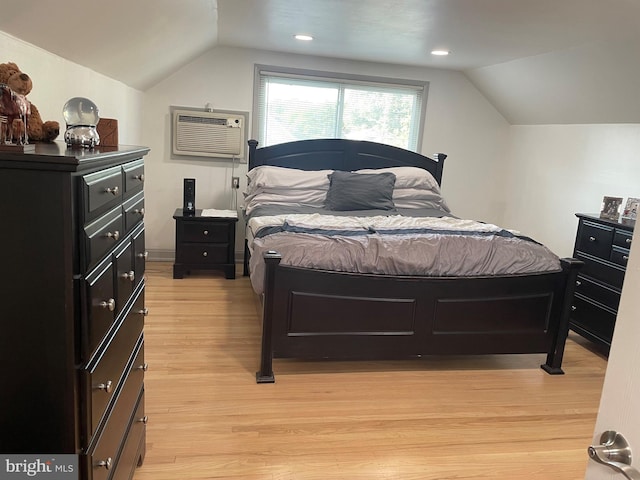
(81,116)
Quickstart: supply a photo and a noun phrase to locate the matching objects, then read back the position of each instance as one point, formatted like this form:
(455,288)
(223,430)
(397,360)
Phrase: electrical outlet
(235,182)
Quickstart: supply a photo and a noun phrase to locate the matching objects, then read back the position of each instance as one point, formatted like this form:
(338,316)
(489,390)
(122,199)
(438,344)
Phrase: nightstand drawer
(605,272)
(595,239)
(204,253)
(205,232)
(597,292)
(596,320)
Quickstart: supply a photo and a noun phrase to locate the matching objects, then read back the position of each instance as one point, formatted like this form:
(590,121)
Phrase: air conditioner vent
(208,134)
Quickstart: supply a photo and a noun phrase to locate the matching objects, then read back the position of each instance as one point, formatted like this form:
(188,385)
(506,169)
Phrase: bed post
(265,374)
(440,167)
(554,357)
(253,144)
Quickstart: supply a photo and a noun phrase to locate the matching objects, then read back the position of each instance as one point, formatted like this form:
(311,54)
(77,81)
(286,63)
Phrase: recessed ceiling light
(441,53)
(305,38)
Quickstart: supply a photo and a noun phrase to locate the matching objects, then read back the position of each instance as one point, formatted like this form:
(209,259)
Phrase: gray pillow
(360,191)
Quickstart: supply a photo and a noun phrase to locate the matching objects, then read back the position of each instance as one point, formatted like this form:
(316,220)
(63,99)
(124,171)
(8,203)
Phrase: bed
(356,255)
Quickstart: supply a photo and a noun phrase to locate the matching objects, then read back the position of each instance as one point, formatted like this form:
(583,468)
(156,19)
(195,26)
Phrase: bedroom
(566,156)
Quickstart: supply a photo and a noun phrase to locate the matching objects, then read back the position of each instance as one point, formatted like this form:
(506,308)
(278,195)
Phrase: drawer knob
(139,211)
(109,304)
(129,275)
(206,232)
(107,387)
(204,254)
(113,190)
(144,420)
(573,308)
(115,235)
(628,240)
(625,257)
(139,177)
(144,312)
(144,367)
(578,283)
(592,239)
(144,255)
(107,464)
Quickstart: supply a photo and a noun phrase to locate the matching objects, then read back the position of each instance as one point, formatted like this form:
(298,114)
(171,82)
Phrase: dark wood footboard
(316,314)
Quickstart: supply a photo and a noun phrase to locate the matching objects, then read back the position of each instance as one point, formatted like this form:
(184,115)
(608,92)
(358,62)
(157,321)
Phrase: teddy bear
(20,83)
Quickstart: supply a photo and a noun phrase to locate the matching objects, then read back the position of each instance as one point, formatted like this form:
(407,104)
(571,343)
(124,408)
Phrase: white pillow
(419,198)
(285,196)
(290,178)
(408,177)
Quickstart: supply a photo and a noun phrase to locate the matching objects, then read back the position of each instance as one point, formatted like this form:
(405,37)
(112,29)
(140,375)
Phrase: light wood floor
(494,417)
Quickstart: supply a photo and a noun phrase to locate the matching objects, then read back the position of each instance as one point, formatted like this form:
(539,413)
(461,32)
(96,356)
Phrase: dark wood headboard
(341,154)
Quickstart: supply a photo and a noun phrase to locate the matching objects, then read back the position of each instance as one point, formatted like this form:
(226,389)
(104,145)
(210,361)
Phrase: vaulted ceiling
(538,62)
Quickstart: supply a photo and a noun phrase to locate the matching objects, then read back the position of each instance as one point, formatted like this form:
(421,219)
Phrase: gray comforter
(392,244)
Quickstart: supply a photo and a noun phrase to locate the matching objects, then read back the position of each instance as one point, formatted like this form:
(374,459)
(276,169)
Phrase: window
(292,104)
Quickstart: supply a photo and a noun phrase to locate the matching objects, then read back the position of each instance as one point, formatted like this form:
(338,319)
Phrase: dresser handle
(204,254)
(628,240)
(144,255)
(109,304)
(115,235)
(573,308)
(107,464)
(144,367)
(625,257)
(129,276)
(107,387)
(144,420)
(206,232)
(139,211)
(139,177)
(144,312)
(578,283)
(592,239)
(113,190)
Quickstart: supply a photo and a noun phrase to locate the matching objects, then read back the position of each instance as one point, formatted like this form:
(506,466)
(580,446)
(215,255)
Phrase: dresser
(204,243)
(71,336)
(603,245)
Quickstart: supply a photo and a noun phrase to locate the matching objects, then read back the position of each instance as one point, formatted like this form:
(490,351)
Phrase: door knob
(614,452)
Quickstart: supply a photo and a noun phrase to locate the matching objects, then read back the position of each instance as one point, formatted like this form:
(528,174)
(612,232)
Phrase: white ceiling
(538,61)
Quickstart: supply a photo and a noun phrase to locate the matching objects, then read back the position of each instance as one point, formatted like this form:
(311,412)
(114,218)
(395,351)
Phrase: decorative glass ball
(80,111)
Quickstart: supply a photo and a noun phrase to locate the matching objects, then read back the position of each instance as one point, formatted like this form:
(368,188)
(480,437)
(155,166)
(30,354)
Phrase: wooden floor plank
(479,417)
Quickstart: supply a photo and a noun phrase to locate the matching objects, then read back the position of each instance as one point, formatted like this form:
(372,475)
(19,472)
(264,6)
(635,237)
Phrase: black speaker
(189,205)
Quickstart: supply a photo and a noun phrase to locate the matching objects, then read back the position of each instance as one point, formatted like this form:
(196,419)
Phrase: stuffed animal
(20,83)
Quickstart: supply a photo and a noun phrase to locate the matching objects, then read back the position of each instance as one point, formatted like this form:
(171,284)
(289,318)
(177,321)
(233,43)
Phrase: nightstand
(204,243)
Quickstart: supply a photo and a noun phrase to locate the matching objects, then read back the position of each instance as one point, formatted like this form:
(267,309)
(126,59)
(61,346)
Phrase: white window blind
(298,105)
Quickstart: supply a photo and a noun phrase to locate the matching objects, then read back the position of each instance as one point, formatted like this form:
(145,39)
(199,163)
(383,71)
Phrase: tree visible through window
(298,105)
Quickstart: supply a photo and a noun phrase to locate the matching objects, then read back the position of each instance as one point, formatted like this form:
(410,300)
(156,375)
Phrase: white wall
(459,122)
(555,171)
(56,80)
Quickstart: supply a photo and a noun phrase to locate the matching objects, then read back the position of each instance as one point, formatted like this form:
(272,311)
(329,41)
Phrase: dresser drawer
(622,239)
(133,211)
(595,239)
(101,189)
(101,235)
(619,256)
(125,275)
(597,292)
(101,303)
(107,369)
(105,449)
(598,321)
(603,271)
(133,173)
(139,253)
(205,232)
(203,254)
(133,445)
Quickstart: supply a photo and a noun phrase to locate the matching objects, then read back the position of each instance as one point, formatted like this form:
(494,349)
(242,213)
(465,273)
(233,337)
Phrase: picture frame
(630,211)
(611,208)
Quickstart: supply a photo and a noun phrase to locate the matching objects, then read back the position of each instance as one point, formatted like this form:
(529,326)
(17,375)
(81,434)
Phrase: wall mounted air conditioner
(208,134)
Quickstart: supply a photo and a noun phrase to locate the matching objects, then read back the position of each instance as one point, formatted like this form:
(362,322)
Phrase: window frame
(319,76)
